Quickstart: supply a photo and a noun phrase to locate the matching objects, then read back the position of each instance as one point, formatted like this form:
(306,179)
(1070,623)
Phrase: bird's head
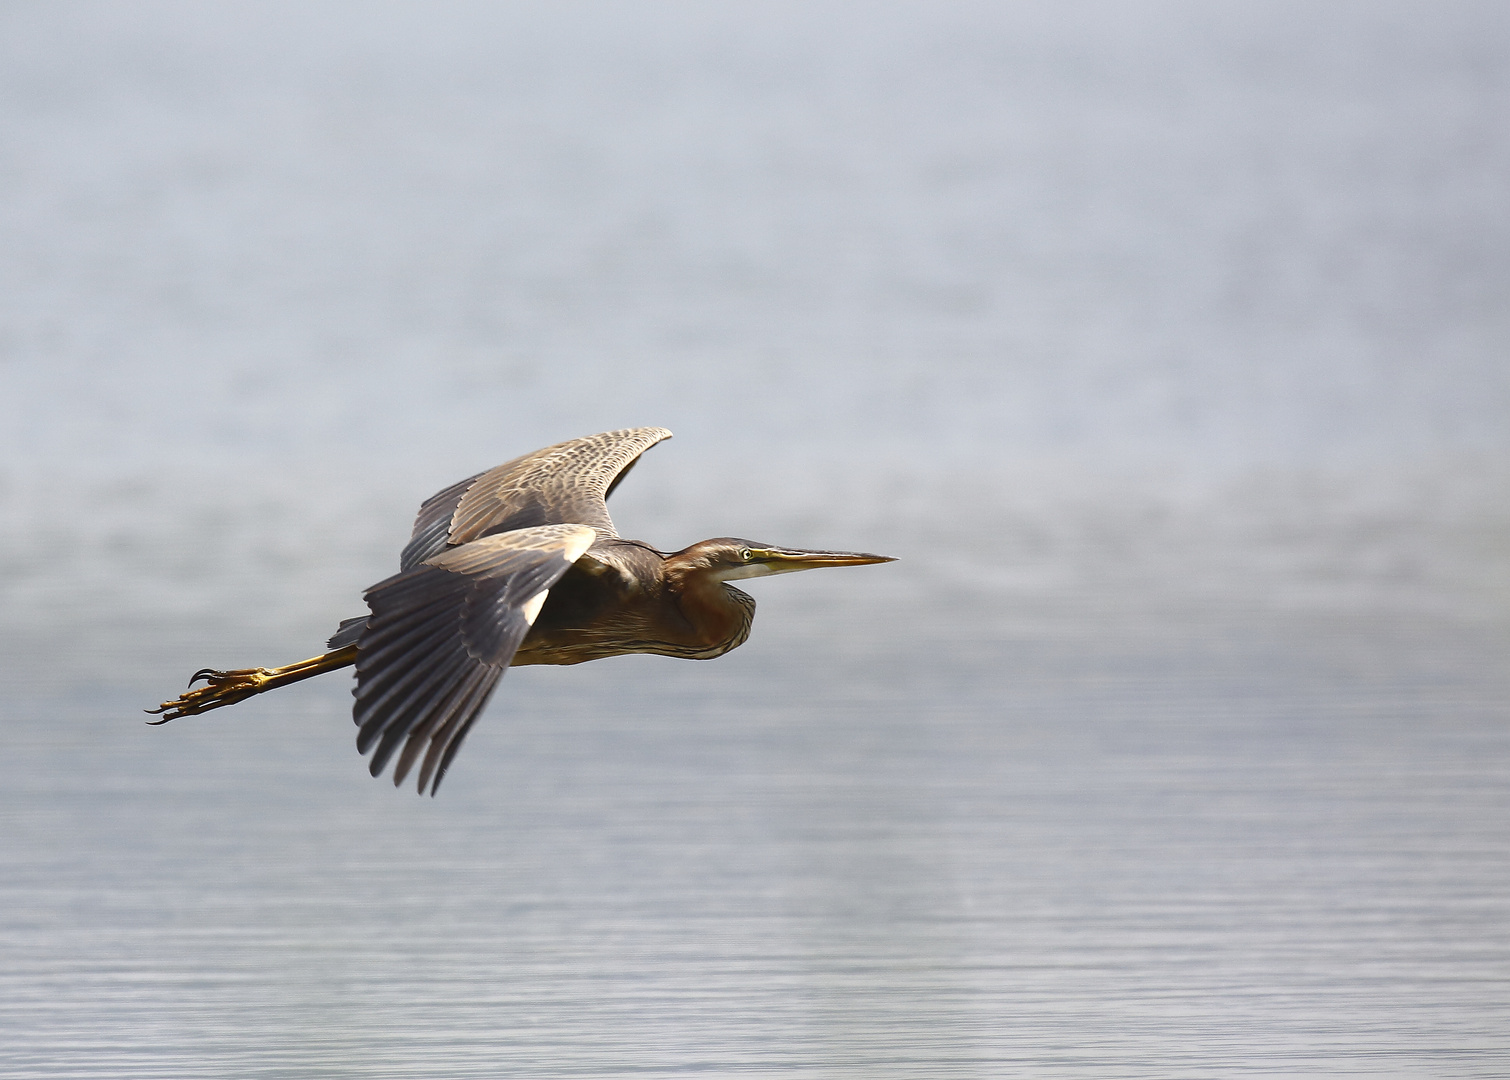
(728,558)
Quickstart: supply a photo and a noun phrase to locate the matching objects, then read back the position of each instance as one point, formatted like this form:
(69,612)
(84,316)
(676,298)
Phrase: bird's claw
(221,688)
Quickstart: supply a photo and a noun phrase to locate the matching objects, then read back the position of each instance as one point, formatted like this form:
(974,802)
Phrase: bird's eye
(746,554)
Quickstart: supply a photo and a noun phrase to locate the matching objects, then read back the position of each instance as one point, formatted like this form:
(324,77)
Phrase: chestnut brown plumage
(518,565)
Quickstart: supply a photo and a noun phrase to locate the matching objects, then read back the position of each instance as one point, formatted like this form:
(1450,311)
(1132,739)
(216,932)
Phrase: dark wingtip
(440,773)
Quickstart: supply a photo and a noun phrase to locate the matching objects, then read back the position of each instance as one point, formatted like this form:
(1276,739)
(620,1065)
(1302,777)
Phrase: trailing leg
(224,688)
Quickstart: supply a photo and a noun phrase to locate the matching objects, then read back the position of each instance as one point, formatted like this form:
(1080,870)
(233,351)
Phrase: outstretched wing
(565,483)
(440,636)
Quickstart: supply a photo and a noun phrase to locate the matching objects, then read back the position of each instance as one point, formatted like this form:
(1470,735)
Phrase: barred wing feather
(565,483)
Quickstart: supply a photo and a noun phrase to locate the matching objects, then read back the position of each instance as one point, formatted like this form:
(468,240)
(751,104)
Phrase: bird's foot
(221,688)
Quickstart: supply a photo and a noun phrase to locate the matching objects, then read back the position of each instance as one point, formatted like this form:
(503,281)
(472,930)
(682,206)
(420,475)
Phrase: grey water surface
(1166,345)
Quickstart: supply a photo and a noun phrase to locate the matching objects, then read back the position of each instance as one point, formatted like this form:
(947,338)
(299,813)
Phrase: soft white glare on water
(1166,344)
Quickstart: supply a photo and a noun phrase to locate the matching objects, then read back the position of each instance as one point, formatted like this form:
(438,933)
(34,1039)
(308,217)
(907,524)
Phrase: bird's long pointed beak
(786,560)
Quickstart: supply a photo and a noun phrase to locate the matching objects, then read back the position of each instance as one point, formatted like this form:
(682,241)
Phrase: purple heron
(518,565)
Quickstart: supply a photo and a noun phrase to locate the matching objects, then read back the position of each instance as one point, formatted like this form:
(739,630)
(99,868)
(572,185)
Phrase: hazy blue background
(1166,344)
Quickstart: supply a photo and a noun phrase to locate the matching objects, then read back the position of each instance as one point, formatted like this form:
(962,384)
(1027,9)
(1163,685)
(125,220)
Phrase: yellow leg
(228,687)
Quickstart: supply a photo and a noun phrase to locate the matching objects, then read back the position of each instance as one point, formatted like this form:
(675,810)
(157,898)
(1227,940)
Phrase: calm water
(1165,344)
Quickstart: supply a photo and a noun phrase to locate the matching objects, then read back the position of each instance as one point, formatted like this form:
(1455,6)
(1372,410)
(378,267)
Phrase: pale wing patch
(479,556)
(572,549)
(530,609)
(576,544)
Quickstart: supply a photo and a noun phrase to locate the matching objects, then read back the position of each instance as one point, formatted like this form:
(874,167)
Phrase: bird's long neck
(718,615)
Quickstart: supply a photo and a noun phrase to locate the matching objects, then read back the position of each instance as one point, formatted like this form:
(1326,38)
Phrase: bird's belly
(583,620)
(558,645)
(562,648)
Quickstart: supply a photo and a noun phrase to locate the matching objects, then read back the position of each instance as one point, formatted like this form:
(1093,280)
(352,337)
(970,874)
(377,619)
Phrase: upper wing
(564,483)
(440,636)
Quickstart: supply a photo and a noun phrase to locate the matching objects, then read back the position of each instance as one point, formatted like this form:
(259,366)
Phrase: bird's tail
(222,688)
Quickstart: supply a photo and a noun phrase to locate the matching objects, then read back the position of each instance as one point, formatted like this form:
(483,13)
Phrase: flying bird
(518,565)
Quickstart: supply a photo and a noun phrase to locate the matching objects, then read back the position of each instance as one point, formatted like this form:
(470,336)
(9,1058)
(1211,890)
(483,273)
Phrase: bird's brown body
(519,565)
(626,597)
